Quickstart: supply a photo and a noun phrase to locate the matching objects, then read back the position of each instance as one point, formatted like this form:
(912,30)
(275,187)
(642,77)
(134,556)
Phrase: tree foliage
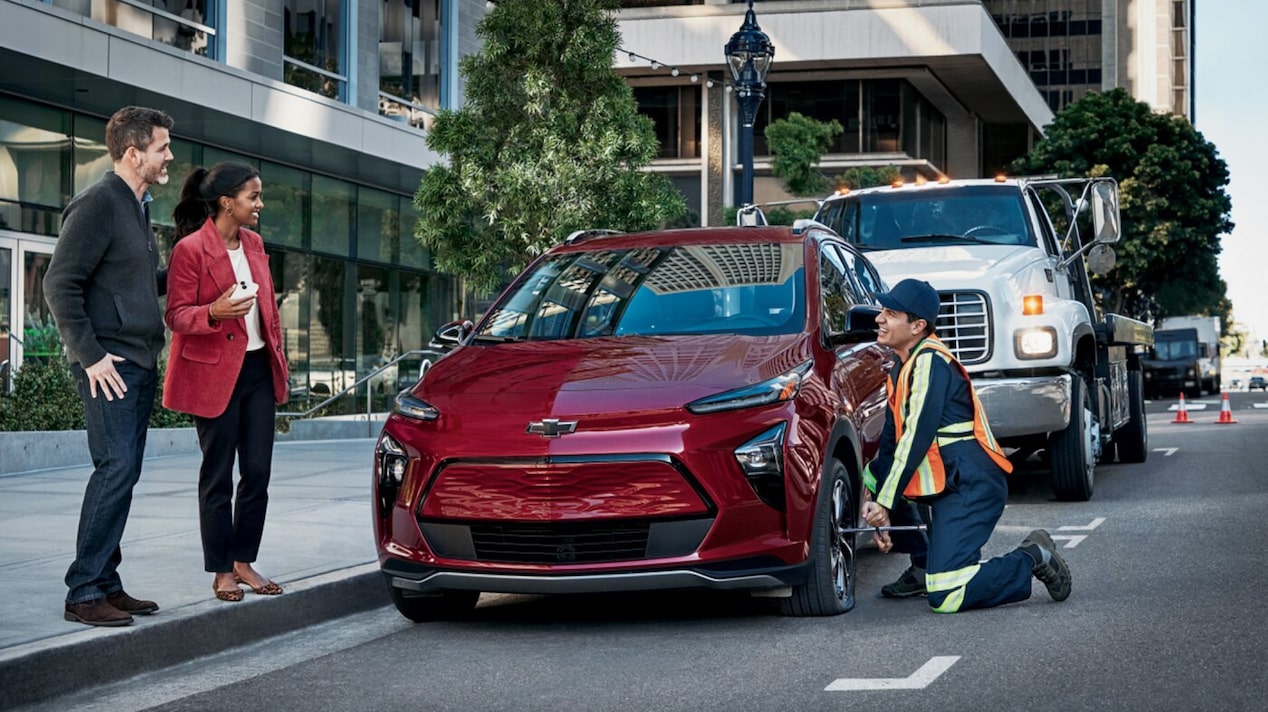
(550,141)
(797,143)
(1172,199)
(866,177)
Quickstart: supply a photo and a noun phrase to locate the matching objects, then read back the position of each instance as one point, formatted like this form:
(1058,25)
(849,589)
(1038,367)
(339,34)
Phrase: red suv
(664,410)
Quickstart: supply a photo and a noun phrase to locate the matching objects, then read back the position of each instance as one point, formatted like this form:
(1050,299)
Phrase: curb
(93,657)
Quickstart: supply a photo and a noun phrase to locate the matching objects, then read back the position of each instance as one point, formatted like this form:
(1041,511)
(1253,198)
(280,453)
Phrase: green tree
(550,141)
(797,143)
(866,177)
(1173,202)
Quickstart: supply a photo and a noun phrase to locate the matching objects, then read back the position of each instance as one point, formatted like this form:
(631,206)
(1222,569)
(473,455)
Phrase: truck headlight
(1039,342)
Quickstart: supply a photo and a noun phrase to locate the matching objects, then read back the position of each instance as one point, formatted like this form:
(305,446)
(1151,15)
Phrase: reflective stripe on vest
(930,476)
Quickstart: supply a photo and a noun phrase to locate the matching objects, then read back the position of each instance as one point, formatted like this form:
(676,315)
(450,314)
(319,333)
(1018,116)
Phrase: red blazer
(205,360)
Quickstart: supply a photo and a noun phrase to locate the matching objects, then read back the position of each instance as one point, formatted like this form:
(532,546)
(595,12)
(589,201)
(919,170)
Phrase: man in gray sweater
(103,287)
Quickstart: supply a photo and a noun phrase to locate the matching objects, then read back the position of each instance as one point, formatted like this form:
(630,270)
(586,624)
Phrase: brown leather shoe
(96,612)
(128,604)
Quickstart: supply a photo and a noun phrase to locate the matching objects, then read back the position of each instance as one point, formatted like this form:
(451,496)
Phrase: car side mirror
(860,325)
(454,333)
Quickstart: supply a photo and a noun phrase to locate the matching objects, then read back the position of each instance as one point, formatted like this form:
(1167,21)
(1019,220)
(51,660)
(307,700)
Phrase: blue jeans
(116,441)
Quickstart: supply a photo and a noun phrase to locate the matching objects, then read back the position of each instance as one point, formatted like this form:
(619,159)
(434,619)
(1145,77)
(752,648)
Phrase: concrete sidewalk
(318,544)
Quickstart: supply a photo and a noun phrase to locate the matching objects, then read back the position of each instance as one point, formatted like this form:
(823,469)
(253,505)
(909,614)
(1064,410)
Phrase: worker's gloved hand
(877,516)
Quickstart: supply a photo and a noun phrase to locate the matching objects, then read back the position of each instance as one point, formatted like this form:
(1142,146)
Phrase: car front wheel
(829,586)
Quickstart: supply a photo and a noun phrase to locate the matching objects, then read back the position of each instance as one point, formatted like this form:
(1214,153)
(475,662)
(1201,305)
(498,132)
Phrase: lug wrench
(878,530)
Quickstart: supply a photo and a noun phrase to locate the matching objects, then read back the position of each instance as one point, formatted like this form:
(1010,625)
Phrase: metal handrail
(355,385)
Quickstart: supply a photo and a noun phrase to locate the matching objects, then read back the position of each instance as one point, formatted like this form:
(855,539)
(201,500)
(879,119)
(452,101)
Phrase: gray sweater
(103,283)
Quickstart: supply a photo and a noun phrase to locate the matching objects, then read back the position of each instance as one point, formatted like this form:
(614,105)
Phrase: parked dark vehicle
(1257,383)
(664,410)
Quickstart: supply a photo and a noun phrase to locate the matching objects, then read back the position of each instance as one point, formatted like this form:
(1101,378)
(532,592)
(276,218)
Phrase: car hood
(954,264)
(604,375)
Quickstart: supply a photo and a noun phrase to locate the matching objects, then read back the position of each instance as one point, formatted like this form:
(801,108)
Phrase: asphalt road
(1167,614)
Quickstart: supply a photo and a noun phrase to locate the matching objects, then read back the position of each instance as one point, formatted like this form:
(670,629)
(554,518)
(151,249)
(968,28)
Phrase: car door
(859,374)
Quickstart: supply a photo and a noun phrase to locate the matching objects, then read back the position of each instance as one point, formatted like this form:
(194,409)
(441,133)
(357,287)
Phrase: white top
(242,271)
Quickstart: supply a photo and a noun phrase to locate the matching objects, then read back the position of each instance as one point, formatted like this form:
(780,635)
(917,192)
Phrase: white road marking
(918,680)
(1094,524)
(1071,540)
(1167,451)
(1261,406)
(1190,406)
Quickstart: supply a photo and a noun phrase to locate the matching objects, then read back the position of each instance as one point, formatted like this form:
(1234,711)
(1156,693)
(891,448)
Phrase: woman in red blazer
(227,366)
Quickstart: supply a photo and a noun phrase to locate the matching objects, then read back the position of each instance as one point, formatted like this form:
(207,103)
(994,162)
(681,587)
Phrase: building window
(313,39)
(35,167)
(183,24)
(334,204)
(378,225)
(287,199)
(409,60)
(674,112)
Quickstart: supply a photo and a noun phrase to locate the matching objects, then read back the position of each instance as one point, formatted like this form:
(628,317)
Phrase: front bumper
(754,575)
(1025,406)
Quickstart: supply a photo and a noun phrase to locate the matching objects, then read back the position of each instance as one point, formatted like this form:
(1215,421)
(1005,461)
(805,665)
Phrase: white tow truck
(1018,310)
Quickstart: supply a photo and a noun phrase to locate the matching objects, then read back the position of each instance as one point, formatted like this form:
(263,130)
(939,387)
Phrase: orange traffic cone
(1182,415)
(1226,414)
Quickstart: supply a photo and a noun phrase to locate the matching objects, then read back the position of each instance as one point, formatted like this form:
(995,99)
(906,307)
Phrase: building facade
(329,99)
(931,88)
(1072,47)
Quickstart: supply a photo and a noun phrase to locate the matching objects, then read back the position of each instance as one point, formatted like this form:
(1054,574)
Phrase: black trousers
(231,530)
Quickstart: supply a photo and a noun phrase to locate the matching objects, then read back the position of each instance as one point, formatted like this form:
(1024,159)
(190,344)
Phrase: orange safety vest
(930,477)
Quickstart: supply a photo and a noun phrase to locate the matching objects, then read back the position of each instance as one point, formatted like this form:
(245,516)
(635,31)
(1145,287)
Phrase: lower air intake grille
(560,542)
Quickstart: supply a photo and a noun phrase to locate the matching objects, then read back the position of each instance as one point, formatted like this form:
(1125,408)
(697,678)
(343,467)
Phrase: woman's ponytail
(193,209)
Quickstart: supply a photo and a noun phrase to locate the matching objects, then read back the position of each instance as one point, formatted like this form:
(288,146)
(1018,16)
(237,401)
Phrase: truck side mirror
(1105,223)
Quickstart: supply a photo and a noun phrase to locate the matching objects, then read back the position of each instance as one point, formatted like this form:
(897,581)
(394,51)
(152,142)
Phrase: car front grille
(964,325)
(559,542)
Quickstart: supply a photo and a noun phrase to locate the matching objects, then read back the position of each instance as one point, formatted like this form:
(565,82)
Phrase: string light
(673,71)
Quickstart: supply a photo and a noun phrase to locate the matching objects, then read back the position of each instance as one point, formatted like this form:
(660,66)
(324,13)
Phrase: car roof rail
(583,235)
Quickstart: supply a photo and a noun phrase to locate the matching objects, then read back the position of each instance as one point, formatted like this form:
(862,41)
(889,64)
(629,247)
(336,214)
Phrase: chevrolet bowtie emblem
(551,427)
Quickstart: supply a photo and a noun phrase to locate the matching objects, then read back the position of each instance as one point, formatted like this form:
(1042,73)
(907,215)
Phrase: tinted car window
(744,288)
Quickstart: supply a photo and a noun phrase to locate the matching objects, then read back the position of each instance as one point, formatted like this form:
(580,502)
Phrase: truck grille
(964,325)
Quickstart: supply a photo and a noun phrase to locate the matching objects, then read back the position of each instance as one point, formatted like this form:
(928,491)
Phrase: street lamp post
(748,54)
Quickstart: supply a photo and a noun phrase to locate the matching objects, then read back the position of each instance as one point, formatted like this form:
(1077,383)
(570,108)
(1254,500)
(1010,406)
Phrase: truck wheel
(449,605)
(829,585)
(1072,451)
(1132,440)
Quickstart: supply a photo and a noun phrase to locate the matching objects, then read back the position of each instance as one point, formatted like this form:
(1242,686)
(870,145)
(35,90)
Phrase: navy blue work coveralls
(965,513)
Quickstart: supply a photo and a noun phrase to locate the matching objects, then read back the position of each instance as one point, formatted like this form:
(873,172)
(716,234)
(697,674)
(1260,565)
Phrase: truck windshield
(755,289)
(1175,350)
(900,219)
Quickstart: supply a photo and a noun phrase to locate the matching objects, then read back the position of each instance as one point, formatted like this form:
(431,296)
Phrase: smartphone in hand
(243,290)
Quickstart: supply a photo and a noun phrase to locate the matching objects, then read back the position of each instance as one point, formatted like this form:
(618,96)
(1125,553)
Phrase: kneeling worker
(937,449)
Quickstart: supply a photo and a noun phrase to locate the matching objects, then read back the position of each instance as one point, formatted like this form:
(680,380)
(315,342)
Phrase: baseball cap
(913,296)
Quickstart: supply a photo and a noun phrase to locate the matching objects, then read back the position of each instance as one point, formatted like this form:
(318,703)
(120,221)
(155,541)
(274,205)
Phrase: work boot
(96,612)
(910,583)
(127,604)
(1048,566)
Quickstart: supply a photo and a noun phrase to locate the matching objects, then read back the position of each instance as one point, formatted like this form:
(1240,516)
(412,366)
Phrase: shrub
(44,397)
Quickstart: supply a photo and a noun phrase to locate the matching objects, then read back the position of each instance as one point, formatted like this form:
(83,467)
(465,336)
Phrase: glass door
(27,330)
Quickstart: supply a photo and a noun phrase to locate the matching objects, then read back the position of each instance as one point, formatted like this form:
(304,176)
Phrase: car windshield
(1172,350)
(740,288)
(901,219)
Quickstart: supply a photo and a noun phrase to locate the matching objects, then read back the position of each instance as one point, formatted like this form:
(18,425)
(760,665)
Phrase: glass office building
(327,98)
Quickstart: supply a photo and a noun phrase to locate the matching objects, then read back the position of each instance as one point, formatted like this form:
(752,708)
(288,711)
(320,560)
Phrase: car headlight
(416,408)
(1039,342)
(781,388)
(762,460)
(392,459)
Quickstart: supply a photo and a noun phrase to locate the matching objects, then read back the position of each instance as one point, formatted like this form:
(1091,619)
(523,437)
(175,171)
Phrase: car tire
(1132,440)
(829,586)
(449,605)
(1071,451)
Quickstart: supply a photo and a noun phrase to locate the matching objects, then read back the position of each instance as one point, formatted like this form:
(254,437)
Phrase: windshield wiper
(939,237)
